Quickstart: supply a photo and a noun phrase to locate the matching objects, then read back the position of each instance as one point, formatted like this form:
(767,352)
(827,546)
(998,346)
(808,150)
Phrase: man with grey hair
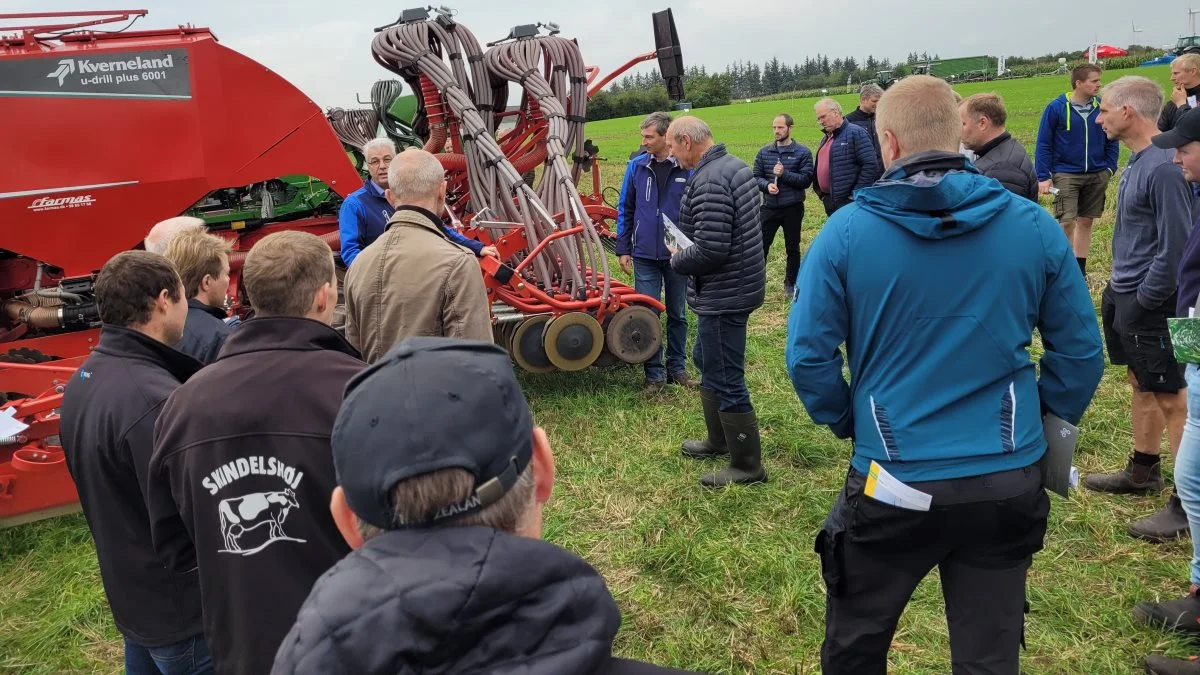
(365,212)
(727,275)
(846,159)
(449,572)
(864,114)
(650,196)
(413,280)
(1154,218)
(160,235)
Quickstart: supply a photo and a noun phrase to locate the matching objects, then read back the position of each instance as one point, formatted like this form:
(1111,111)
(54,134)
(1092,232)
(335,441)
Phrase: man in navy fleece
(1154,217)
(935,278)
(1074,155)
(365,213)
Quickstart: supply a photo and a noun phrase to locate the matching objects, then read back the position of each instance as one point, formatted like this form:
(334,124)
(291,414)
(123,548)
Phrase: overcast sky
(324,46)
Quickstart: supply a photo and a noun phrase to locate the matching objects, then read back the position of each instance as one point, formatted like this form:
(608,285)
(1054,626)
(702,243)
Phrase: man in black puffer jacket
(727,281)
(449,573)
(997,154)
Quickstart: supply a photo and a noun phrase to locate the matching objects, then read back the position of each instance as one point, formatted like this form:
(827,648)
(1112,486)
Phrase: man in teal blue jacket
(935,279)
(1076,157)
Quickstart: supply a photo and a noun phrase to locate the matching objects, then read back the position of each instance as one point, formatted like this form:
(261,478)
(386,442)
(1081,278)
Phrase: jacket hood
(454,600)
(935,195)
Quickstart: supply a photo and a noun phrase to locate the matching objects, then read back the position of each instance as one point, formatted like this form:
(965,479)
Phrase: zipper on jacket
(1087,152)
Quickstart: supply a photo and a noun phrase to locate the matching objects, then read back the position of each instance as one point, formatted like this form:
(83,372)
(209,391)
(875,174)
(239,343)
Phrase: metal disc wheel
(634,334)
(573,341)
(526,345)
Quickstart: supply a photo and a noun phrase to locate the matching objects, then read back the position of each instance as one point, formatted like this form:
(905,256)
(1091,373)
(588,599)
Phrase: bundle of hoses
(383,94)
(521,62)
(414,51)
(353,127)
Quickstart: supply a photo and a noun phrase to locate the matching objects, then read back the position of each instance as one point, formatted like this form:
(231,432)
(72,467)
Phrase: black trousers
(981,534)
(790,219)
(831,205)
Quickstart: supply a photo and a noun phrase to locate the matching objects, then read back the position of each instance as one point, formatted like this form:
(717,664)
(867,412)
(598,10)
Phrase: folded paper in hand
(883,486)
(1061,437)
(675,238)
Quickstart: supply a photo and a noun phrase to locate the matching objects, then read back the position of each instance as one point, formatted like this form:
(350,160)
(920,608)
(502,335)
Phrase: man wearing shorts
(1154,218)
(1075,156)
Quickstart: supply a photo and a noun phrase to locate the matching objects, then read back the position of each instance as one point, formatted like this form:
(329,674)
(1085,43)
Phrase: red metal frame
(181,151)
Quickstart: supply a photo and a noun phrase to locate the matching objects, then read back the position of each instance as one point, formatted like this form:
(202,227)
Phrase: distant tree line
(643,93)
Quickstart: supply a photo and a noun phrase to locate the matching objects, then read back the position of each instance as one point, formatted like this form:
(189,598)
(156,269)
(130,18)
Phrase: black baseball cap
(431,403)
(1187,130)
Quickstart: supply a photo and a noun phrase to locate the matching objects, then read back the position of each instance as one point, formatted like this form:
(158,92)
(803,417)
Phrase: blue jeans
(649,277)
(720,354)
(1187,466)
(186,657)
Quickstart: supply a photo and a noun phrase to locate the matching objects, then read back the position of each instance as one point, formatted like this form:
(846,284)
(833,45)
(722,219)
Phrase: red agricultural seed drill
(109,132)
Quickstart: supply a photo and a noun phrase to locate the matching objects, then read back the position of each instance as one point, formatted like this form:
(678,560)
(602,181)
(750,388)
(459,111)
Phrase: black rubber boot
(745,452)
(1181,615)
(1161,665)
(714,445)
(1133,479)
(1167,524)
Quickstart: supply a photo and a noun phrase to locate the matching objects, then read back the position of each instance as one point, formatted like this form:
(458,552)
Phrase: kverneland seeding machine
(110,131)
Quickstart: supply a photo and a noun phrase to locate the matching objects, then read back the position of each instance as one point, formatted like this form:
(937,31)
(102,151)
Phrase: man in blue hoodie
(1076,157)
(365,212)
(652,190)
(935,279)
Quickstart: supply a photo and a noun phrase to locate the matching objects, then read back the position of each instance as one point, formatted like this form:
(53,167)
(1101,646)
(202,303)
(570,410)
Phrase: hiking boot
(684,380)
(1181,615)
(745,452)
(1133,479)
(1161,665)
(1168,523)
(714,445)
(789,292)
(651,387)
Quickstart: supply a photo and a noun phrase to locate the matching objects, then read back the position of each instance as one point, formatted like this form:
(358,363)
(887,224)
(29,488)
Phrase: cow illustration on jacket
(240,515)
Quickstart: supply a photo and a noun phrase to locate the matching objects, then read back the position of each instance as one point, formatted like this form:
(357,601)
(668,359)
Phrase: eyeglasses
(376,161)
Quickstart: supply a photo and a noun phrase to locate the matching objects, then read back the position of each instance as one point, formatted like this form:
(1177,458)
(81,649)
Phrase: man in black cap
(1183,614)
(449,573)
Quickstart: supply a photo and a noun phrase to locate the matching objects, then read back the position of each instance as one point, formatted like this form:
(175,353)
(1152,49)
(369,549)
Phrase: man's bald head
(917,114)
(416,178)
(160,235)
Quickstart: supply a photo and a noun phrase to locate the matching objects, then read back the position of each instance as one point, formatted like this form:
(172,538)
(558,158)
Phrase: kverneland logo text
(52,203)
(69,66)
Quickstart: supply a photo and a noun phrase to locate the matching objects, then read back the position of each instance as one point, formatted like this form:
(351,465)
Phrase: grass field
(721,582)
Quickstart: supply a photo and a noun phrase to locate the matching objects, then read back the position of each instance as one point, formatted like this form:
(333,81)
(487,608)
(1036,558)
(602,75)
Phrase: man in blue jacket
(651,190)
(935,279)
(846,159)
(1076,157)
(783,171)
(365,212)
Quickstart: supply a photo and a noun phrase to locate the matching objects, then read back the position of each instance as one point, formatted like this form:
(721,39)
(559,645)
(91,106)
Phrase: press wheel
(634,334)
(573,340)
(526,348)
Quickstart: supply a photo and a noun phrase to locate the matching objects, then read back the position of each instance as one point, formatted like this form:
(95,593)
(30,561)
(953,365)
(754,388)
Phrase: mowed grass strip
(723,582)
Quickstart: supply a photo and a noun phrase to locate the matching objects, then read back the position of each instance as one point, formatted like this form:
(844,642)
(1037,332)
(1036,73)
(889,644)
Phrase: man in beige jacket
(413,280)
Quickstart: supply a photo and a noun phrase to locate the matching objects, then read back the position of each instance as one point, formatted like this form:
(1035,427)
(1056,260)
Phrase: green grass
(720,582)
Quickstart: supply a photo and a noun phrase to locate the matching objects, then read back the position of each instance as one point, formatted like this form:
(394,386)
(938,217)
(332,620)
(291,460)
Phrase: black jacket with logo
(243,448)
(458,600)
(107,430)
(204,332)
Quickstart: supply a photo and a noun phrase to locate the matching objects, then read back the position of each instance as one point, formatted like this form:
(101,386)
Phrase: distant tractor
(1187,45)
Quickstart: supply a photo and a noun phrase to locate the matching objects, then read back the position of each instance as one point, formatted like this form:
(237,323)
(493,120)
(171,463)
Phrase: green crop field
(722,582)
